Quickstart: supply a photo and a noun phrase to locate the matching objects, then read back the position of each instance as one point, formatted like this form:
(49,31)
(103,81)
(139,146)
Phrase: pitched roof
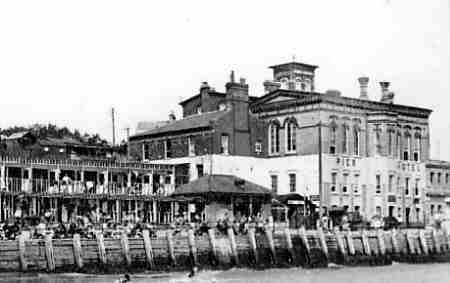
(228,184)
(150,125)
(17,135)
(191,122)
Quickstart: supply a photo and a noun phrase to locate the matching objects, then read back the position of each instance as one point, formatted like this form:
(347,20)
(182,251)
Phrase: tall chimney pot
(363,84)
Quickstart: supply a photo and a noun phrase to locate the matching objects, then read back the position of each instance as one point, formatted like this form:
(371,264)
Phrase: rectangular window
(200,172)
(378,184)
(345,183)
(407,149)
(431,177)
(292,183)
(224,139)
(146,151)
(446,178)
(399,145)
(345,139)
(406,186)
(432,209)
(333,182)
(258,147)
(356,185)
(332,140)
(399,191)
(356,141)
(378,210)
(391,183)
(417,148)
(391,142)
(168,149)
(274,183)
(439,177)
(191,146)
(378,141)
(416,187)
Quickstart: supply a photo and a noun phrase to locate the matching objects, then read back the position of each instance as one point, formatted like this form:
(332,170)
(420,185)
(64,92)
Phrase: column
(154,212)
(30,180)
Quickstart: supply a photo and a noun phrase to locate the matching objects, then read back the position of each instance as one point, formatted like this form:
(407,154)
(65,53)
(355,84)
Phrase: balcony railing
(105,164)
(45,187)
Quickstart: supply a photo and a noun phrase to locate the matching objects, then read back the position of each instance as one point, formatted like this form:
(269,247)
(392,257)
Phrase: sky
(70,62)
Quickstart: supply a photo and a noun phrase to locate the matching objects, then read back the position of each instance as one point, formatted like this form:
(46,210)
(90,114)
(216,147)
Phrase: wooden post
(395,246)
(192,247)
(290,247)
(365,242)
(381,243)
(173,260)
(269,237)
(350,243)
(437,244)
(340,244)
(101,248)
(410,243)
(232,239)
(49,254)
(148,248)
(252,240)
(302,234)
(22,260)
(323,241)
(423,241)
(212,242)
(77,251)
(125,247)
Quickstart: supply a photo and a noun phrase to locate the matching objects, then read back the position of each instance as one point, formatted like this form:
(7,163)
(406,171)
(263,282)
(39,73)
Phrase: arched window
(399,145)
(391,145)
(291,130)
(417,146)
(333,130)
(378,141)
(274,138)
(356,141)
(407,147)
(345,139)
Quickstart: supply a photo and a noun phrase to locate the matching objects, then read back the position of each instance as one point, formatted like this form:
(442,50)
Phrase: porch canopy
(210,185)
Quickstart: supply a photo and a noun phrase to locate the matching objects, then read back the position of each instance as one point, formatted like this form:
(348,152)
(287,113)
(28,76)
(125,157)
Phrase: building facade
(438,188)
(354,154)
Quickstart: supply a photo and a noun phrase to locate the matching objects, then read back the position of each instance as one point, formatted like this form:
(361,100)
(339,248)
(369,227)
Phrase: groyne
(289,247)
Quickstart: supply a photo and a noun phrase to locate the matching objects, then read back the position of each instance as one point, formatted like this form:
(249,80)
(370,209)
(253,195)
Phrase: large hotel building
(365,153)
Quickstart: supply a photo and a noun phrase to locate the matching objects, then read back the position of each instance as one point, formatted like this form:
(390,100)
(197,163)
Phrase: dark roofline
(302,98)
(295,63)
(176,132)
(438,164)
(197,95)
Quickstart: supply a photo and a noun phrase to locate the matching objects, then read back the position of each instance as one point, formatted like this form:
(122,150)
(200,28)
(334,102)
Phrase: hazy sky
(69,62)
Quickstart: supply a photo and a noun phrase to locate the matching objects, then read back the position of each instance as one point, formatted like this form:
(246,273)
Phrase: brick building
(356,154)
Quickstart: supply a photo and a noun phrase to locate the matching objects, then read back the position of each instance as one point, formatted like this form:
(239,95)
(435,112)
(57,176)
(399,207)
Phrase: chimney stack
(386,95)
(363,84)
(172,116)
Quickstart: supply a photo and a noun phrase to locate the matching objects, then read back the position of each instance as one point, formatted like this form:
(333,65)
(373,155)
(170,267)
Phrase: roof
(59,141)
(150,125)
(291,64)
(303,98)
(191,122)
(223,184)
(17,135)
(433,163)
(211,92)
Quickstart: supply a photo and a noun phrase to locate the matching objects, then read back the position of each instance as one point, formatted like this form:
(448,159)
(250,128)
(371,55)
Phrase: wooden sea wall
(289,247)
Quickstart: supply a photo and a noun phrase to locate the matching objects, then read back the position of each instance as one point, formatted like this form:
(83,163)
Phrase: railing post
(77,250)
(365,241)
(350,244)
(192,247)
(173,260)
(232,239)
(148,248)
(252,240)
(302,234)
(423,241)
(22,259)
(395,246)
(340,243)
(323,241)
(125,247)
(410,244)
(269,237)
(49,254)
(101,248)
(290,247)
(381,243)
(212,242)
(437,244)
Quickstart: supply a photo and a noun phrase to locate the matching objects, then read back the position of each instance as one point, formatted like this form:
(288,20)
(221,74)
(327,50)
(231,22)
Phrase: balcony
(45,187)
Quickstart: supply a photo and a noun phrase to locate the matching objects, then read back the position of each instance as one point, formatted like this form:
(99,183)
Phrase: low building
(438,187)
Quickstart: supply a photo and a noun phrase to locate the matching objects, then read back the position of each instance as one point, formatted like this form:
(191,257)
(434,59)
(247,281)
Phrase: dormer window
(199,110)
